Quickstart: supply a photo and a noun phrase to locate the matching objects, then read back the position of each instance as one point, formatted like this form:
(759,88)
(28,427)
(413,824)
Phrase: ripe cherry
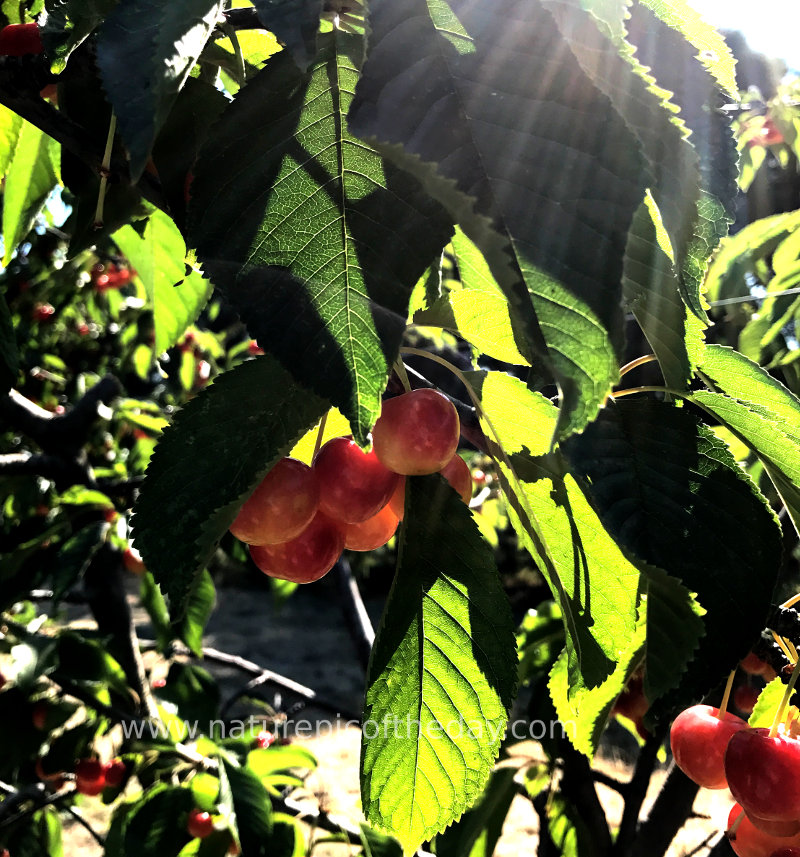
(764,774)
(417,432)
(115,772)
(776,828)
(43,312)
(353,485)
(264,739)
(745,698)
(39,715)
(456,472)
(786,852)
(748,841)
(281,507)
(305,558)
(132,560)
(199,824)
(254,349)
(90,777)
(632,703)
(17,40)
(372,533)
(699,738)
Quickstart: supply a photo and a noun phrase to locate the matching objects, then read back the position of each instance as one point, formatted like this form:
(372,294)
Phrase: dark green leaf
(74,557)
(252,810)
(503,126)
(569,832)
(331,304)
(157,826)
(295,23)
(442,673)
(476,833)
(208,462)
(153,602)
(199,606)
(670,492)
(194,693)
(145,52)
(68,24)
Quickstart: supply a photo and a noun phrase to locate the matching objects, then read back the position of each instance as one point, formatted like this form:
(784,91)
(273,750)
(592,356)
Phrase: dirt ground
(307,640)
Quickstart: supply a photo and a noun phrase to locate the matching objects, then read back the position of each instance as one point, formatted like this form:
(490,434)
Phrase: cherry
(116,771)
(281,507)
(3,681)
(632,703)
(745,698)
(764,774)
(372,533)
(17,40)
(264,739)
(698,739)
(254,349)
(416,433)
(43,312)
(353,485)
(132,560)
(305,558)
(754,665)
(90,777)
(456,472)
(775,828)
(199,824)
(39,715)
(786,852)
(83,329)
(749,841)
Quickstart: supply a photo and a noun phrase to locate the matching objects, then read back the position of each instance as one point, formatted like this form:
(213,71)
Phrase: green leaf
(376,844)
(68,24)
(193,691)
(145,52)
(652,293)
(670,492)
(74,557)
(478,310)
(332,304)
(768,701)
(156,827)
(476,833)
(540,639)
(265,762)
(252,810)
(159,257)
(153,602)
(442,673)
(31,176)
(208,462)
(295,23)
(595,585)
(532,149)
(10,130)
(569,832)
(761,412)
(199,606)
(9,356)
(288,838)
(738,255)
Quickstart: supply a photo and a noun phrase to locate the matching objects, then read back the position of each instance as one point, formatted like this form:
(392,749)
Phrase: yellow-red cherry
(90,777)
(456,472)
(115,772)
(416,433)
(372,533)
(763,774)
(699,738)
(353,485)
(199,824)
(305,558)
(748,841)
(281,507)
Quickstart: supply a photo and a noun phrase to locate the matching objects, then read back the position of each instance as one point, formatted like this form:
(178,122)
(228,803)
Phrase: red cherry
(397,502)
(83,329)
(43,312)
(764,774)
(199,824)
(698,739)
(102,282)
(353,485)
(17,40)
(776,828)
(456,472)
(632,703)
(372,533)
(305,558)
(132,560)
(281,507)
(158,683)
(753,664)
(39,715)
(417,432)
(264,739)
(115,772)
(745,698)
(786,852)
(479,477)
(254,349)
(2,681)
(749,841)
(123,275)
(90,777)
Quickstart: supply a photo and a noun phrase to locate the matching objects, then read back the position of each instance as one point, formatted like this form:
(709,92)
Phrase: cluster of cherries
(300,518)
(761,767)
(110,276)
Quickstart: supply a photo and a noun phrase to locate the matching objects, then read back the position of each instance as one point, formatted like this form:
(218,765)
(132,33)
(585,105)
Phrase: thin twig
(355,613)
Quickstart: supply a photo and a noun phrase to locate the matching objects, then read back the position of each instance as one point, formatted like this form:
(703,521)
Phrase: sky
(771,27)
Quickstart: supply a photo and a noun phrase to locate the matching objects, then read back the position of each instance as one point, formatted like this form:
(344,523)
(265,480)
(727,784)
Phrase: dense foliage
(226,231)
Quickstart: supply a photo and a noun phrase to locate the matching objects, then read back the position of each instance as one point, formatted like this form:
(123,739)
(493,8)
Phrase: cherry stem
(731,831)
(400,369)
(784,648)
(727,695)
(635,364)
(647,389)
(791,602)
(773,730)
(104,172)
(320,433)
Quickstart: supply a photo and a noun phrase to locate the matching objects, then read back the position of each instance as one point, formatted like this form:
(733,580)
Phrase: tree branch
(667,815)
(355,613)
